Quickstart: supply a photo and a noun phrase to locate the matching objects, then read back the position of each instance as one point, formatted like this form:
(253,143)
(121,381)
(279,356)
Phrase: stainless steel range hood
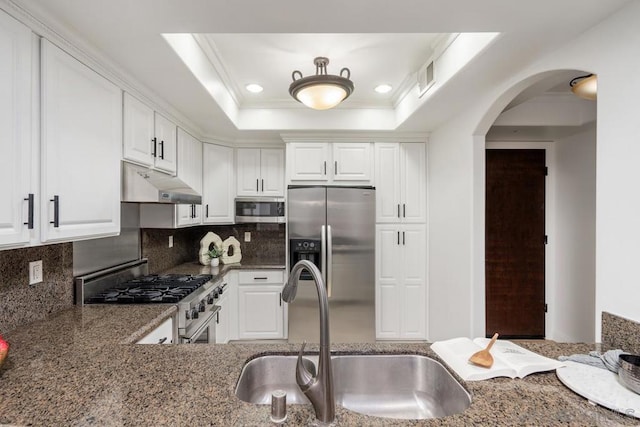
(143,185)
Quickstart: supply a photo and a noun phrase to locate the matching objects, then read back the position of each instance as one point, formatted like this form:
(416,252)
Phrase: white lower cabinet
(222,320)
(163,334)
(401,281)
(260,305)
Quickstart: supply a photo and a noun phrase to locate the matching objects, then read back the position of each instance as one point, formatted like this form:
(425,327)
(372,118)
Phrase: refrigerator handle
(329,261)
(323,253)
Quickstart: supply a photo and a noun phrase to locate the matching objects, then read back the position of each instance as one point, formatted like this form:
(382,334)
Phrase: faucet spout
(319,388)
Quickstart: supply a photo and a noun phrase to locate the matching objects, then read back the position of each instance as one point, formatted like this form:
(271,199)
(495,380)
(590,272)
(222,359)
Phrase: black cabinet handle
(162,340)
(257,184)
(218,317)
(259,278)
(263,185)
(325,167)
(403,237)
(56,211)
(155,148)
(398,210)
(335,168)
(398,237)
(206,209)
(404,210)
(280,299)
(162,150)
(29,222)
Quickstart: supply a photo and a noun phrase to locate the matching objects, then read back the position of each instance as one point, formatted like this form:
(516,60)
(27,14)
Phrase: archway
(541,113)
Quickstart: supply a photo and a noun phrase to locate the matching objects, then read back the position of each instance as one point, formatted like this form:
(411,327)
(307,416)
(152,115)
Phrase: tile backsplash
(22,303)
(267,245)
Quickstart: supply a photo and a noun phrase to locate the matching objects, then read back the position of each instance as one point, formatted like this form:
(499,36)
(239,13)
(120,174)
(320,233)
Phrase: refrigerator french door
(334,227)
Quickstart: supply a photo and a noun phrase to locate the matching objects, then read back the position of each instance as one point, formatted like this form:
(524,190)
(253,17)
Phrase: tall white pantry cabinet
(400,241)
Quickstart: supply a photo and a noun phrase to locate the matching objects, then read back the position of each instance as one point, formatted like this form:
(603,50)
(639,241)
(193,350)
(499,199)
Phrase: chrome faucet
(319,388)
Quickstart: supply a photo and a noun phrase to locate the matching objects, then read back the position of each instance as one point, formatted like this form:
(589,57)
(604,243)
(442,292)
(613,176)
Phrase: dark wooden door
(515,243)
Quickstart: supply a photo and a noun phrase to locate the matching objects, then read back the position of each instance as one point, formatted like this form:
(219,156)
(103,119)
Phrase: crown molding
(46,26)
(355,137)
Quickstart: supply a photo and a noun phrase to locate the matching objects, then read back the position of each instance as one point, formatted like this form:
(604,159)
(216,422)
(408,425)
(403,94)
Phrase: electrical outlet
(247,236)
(170,241)
(35,272)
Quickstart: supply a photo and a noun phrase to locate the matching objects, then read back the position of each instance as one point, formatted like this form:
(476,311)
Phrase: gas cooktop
(168,288)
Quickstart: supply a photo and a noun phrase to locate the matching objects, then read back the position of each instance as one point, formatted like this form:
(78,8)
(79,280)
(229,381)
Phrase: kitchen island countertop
(79,367)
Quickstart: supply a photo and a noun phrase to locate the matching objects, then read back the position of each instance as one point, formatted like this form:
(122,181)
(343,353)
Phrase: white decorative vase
(215,262)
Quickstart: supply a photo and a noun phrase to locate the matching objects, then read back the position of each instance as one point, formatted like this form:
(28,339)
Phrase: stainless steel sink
(389,386)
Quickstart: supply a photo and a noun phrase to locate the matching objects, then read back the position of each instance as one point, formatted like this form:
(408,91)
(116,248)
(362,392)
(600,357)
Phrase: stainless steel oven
(201,330)
(260,210)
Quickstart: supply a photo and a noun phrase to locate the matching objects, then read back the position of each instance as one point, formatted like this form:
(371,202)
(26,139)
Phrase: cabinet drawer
(261,276)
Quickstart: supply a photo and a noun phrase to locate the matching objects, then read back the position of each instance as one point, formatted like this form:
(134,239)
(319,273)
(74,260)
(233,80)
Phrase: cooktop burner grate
(169,288)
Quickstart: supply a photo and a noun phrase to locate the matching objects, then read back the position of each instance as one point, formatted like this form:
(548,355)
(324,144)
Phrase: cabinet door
(81,149)
(163,334)
(166,141)
(413,296)
(222,321)
(15,130)
(248,171)
(387,160)
(272,172)
(352,162)
(308,161)
(138,131)
(388,281)
(189,167)
(413,182)
(260,312)
(217,194)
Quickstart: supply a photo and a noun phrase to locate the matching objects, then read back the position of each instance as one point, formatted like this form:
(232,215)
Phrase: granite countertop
(79,367)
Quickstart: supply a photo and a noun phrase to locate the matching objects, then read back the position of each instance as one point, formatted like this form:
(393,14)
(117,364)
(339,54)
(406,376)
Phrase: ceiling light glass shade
(585,86)
(322,91)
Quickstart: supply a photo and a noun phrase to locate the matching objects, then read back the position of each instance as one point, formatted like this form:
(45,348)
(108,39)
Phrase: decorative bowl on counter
(629,372)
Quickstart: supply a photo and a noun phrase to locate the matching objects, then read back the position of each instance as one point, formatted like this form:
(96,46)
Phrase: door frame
(550,223)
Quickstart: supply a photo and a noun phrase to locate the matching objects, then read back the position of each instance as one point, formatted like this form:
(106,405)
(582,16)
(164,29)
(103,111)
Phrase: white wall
(456,215)
(573,309)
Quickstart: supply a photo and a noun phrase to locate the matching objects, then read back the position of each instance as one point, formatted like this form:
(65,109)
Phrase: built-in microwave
(260,210)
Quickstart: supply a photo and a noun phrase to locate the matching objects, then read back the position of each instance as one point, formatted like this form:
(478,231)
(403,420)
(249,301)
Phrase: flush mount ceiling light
(585,86)
(322,91)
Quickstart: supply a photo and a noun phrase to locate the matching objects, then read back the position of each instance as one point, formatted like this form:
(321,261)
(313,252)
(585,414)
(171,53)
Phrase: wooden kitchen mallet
(483,357)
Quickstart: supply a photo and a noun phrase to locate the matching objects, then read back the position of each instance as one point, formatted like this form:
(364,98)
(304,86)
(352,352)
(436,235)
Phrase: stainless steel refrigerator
(334,227)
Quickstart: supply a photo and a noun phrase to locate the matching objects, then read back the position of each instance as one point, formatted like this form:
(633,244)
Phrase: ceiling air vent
(426,78)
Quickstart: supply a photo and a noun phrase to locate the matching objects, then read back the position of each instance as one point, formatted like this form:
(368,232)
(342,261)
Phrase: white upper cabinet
(260,172)
(150,139)
(352,161)
(401,182)
(165,144)
(307,161)
(338,163)
(81,149)
(189,169)
(218,194)
(15,133)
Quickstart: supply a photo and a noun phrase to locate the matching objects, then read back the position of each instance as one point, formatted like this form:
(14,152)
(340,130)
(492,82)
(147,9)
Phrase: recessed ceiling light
(383,88)
(254,88)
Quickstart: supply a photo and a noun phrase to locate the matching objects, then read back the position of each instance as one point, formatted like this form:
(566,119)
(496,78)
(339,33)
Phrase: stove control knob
(216,293)
(187,314)
(201,307)
(210,298)
(194,313)
(220,291)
